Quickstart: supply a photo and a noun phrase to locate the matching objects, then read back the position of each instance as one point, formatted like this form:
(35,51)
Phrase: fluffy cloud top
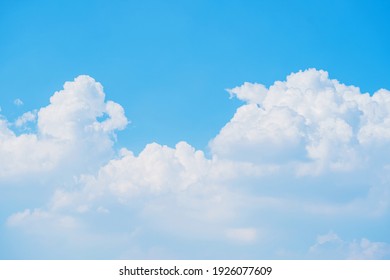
(73,111)
(309,118)
(302,157)
(68,132)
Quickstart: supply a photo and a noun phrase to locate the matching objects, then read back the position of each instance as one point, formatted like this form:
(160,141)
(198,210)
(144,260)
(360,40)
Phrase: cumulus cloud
(69,134)
(179,184)
(318,122)
(76,108)
(302,156)
(159,169)
(250,93)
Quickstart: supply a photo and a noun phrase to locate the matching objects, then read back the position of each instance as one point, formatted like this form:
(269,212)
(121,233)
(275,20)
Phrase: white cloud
(367,250)
(306,150)
(157,169)
(73,111)
(116,118)
(330,237)
(308,119)
(179,184)
(69,137)
(25,118)
(38,221)
(250,93)
(244,235)
(18,102)
(331,246)
(25,154)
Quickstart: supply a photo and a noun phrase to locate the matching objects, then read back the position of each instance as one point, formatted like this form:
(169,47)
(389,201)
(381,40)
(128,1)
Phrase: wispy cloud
(18,102)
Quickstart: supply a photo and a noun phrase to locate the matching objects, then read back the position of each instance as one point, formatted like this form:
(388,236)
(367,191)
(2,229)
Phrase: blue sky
(164,59)
(167,66)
